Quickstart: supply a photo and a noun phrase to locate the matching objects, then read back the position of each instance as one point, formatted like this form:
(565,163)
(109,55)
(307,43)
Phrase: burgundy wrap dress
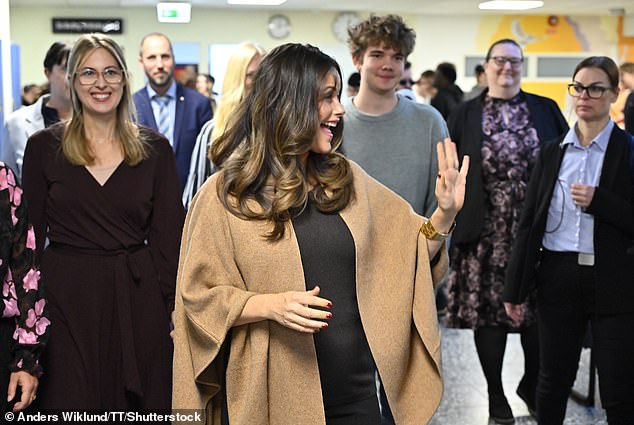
(110,265)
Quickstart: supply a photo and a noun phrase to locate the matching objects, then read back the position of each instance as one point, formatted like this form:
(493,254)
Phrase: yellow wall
(625,44)
(557,91)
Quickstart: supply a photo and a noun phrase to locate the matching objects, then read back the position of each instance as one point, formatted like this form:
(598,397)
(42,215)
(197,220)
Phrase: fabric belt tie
(127,274)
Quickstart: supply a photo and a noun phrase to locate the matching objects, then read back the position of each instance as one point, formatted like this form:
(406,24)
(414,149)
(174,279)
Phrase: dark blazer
(613,209)
(465,129)
(628,113)
(193,110)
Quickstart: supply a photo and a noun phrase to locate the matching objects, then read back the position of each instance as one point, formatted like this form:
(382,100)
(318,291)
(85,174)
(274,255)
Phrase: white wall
(31,29)
(445,39)
(439,38)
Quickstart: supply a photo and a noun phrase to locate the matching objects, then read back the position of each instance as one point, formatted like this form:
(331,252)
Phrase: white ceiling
(428,7)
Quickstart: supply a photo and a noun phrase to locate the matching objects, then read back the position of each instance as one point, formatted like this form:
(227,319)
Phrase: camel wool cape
(271,372)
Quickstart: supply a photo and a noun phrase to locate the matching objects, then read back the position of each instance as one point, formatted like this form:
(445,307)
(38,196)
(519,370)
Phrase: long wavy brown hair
(260,154)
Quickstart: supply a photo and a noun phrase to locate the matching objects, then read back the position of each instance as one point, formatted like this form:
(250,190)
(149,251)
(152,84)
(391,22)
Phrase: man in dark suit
(166,106)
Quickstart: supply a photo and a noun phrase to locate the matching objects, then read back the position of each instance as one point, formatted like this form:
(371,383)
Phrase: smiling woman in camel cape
(272,375)
(245,342)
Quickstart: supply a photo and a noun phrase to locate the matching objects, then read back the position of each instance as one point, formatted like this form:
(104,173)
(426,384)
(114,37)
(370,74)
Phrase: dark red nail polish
(329,305)
(324,326)
(329,316)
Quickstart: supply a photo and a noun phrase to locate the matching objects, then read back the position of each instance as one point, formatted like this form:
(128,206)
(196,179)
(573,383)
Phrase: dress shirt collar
(171,92)
(601,141)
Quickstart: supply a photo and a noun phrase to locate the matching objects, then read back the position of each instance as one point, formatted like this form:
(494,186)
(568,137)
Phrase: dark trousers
(565,306)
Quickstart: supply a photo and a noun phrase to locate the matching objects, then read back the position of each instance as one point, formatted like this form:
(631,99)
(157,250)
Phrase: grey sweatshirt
(398,148)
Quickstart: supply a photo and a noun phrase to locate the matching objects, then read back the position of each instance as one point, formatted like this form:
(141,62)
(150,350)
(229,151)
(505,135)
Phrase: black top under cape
(346,366)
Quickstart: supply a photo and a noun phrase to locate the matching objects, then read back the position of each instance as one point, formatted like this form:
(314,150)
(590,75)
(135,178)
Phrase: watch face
(342,23)
(279,26)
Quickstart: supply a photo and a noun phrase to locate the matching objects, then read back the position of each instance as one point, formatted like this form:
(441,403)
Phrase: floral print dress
(23,307)
(510,147)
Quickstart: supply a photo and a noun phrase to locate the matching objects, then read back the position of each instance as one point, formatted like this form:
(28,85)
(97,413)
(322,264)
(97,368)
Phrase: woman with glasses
(105,194)
(574,243)
(501,130)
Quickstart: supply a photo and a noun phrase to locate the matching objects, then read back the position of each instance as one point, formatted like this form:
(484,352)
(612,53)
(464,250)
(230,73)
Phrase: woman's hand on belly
(293,309)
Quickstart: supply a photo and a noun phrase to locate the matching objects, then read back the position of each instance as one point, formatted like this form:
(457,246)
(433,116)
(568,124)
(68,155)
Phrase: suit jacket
(20,125)
(272,375)
(193,110)
(465,129)
(613,209)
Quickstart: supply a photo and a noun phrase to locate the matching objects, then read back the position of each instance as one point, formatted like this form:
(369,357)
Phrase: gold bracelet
(431,233)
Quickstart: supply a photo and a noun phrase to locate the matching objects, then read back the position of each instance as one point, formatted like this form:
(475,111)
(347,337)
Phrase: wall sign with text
(87,25)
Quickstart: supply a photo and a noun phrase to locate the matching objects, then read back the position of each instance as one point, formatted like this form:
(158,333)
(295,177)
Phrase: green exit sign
(169,13)
(173,12)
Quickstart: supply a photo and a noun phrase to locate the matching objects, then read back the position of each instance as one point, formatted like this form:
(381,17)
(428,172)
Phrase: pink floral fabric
(22,292)
(509,150)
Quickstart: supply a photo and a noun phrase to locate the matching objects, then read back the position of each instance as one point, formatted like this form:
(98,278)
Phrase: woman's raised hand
(294,310)
(450,184)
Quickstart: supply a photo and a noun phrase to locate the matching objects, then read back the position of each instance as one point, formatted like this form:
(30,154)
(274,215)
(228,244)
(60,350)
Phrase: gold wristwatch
(431,233)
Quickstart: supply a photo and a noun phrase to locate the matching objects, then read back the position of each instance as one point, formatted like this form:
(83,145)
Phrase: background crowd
(314,255)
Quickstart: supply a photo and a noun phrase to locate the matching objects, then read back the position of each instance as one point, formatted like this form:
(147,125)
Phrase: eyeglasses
(89,76)
(502,60)
(406,83)
(594,92)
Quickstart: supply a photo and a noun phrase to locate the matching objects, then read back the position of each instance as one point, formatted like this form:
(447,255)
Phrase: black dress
(110,270)
(346,366)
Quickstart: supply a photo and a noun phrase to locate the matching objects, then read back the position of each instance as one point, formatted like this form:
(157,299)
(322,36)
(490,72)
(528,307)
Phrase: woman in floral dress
(24,323)
(501,130)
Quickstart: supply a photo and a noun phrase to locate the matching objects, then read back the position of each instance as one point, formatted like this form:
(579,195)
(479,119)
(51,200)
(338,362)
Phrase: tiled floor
(465,398)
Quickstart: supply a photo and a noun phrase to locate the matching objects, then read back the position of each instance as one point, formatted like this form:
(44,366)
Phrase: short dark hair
(504,41)
(478,70)
(57,54)
(447,71)
(430,73)
(354,80)
(603,63)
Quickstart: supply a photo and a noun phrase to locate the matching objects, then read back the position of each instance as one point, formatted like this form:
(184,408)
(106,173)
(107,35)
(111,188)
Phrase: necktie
(164,116)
